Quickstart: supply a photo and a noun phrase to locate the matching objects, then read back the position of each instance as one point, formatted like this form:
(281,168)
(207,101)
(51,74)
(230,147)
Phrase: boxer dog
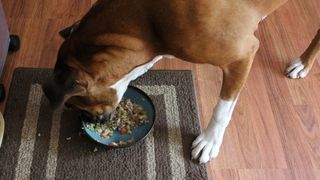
(119,40)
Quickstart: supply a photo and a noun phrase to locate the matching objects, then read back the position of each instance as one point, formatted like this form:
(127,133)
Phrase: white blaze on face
(122,85)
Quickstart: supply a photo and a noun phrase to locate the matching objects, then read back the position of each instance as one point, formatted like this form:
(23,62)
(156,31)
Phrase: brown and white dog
(119,40)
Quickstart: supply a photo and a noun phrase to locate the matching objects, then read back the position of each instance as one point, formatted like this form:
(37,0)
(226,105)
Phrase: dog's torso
(117,36)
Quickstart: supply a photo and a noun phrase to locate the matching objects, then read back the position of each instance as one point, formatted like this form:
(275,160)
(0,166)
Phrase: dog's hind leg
(300,67)
(207,144)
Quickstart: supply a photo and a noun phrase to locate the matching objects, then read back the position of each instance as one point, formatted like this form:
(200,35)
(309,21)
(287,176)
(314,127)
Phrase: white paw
(296,70)
(206,146)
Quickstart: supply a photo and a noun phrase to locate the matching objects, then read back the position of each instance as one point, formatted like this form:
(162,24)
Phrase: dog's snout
(95,118)
(103,117)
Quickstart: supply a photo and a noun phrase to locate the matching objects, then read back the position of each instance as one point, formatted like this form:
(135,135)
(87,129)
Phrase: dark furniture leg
(14,43)
(2,92)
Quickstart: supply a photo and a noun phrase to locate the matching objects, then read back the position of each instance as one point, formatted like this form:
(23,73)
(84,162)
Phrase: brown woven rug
(41,144)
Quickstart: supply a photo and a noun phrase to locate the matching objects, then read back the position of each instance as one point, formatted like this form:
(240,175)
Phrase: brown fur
(309,56)
(117,35)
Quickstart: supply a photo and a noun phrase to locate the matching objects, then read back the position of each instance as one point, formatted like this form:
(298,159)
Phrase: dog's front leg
(300,67)
(209,141)
(207,144)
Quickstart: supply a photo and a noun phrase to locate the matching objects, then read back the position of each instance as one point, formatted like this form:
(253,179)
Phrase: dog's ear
(66,33)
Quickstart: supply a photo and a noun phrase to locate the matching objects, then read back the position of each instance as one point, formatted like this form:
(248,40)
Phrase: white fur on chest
(122,85)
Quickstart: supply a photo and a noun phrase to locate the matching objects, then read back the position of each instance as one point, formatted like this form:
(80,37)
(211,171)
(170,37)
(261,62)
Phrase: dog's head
(90,64)
(82,80)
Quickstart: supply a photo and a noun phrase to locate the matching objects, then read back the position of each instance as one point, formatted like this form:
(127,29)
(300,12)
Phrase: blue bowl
(136,96)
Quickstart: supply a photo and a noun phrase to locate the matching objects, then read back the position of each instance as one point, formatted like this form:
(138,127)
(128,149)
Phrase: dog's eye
(79,83)
(76,83)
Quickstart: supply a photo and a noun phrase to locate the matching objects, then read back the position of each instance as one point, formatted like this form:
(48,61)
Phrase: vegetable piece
(124,130)
(105,136)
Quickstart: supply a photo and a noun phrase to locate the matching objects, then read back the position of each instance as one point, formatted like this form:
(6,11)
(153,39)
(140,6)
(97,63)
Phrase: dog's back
(197,31)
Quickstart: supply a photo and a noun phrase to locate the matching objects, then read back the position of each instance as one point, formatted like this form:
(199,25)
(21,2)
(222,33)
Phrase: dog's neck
(122,85)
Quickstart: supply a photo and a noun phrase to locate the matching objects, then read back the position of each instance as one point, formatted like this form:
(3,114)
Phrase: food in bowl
(126,118)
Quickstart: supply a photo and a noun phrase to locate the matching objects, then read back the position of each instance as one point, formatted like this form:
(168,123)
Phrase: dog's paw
(206,146)
(296,70)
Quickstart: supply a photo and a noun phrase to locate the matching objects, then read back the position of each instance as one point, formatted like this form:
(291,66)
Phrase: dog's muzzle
(87,117)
